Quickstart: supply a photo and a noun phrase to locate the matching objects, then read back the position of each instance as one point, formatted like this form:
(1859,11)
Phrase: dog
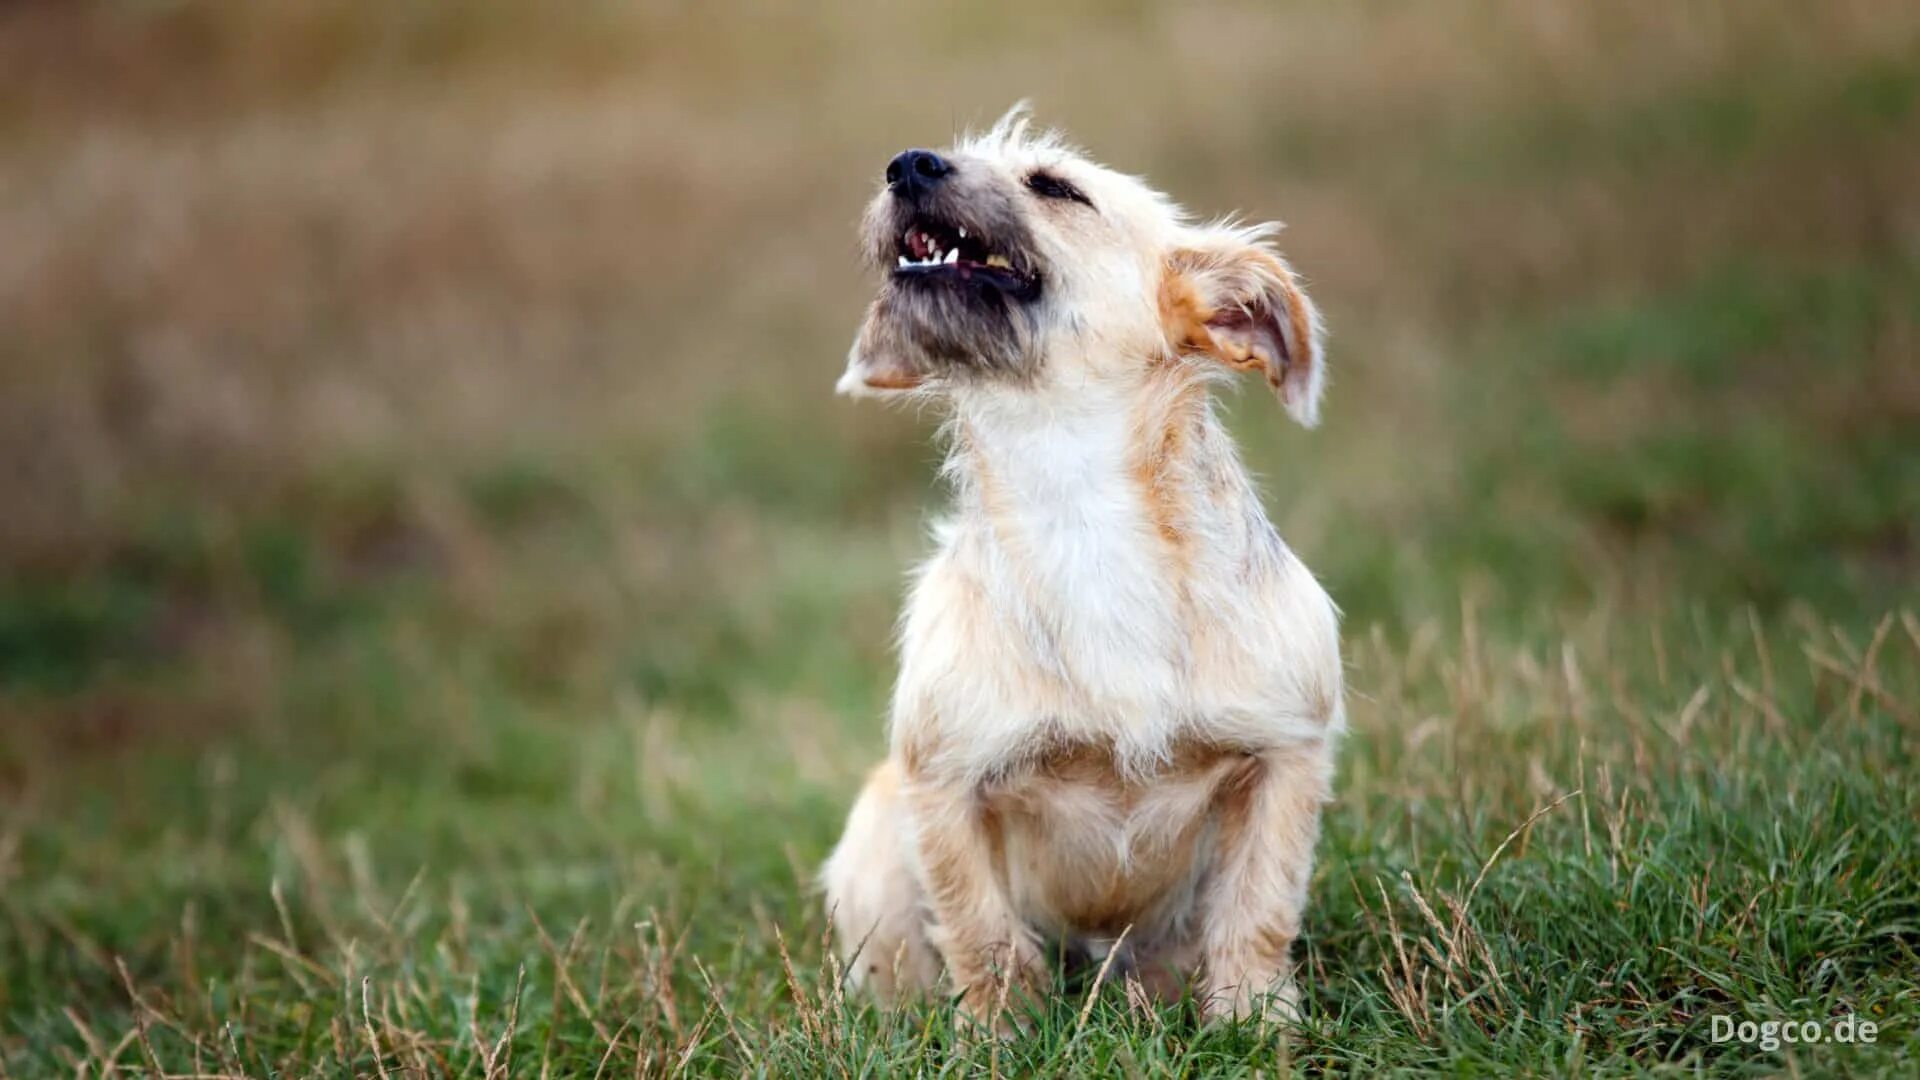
(1119,691)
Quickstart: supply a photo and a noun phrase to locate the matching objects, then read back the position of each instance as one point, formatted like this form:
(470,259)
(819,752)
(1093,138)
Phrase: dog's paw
(1001,1000)
(972,1027)
(1276,1003)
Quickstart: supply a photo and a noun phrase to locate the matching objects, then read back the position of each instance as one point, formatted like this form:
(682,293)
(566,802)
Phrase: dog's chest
(1079,597)
(1087,846)
(1065,544)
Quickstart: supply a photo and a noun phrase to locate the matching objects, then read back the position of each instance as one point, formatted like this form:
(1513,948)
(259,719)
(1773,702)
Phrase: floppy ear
(878,365)
(1230,296)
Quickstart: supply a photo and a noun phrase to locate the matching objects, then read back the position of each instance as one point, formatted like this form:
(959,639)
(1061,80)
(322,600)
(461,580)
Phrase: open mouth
(933,250)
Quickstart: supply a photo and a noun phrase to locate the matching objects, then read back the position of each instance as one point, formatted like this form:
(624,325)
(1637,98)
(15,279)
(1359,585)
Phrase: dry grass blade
(488,1067)
(95,1048)
(1690,712)
(1408,992)
(1760,648)
(1005,979)
(659,969)
(366,1015)
(1451,966)
(140,1010)
(298,966)
(1461,940)
(726,1014)
(1776,721)
(1099,980)
(810,1019)
(692,1045)
(1523,827)
(1857,678)
(1865,672)
(612,1045)
(563,971)
(513,1022)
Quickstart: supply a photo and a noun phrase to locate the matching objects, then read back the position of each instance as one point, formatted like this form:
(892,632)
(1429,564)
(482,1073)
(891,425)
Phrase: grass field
(444,614)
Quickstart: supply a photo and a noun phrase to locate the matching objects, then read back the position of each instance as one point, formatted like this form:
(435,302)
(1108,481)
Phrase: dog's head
(1013,260)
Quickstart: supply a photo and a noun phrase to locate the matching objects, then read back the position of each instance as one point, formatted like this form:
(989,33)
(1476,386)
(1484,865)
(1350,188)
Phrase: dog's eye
(1048,186)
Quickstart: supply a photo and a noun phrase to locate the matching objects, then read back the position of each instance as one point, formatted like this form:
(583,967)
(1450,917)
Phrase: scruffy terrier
(1119,691)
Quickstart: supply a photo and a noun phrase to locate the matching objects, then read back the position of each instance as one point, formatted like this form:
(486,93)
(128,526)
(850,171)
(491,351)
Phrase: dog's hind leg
(874,899)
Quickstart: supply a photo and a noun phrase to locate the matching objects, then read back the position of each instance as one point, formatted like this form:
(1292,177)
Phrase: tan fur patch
(1103,850)
(1163,435)
(1182,312)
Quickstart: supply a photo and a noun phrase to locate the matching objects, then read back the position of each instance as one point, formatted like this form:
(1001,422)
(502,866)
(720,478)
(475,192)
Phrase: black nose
(915,171)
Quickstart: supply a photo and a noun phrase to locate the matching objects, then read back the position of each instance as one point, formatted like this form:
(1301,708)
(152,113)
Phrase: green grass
(415,830)
(441,630)
(358,776)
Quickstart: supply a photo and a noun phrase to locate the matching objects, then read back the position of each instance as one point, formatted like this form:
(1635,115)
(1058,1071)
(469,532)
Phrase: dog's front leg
(1269,821)
(991,955)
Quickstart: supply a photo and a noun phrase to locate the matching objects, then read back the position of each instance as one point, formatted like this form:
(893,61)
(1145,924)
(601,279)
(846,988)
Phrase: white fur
(1073,604)
(1077,584)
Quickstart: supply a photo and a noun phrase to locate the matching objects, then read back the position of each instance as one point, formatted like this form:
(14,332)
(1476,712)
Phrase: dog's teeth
(903,260)
(999,262)
(963,232)
(952,257)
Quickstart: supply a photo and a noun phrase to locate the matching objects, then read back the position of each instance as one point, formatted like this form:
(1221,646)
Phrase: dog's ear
(878,365)
(1227,294)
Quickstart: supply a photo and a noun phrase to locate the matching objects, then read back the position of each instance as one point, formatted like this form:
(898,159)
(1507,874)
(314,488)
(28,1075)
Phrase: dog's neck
(1107,497)
(1106,528)
(1034,450)
(1151,450)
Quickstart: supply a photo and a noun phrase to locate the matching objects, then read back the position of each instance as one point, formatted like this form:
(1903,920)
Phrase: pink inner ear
(1256,339)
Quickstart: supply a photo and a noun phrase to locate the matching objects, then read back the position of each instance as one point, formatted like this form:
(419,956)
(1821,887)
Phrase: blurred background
(416,430)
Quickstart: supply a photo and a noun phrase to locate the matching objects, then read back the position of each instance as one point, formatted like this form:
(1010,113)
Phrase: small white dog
(1119,691)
